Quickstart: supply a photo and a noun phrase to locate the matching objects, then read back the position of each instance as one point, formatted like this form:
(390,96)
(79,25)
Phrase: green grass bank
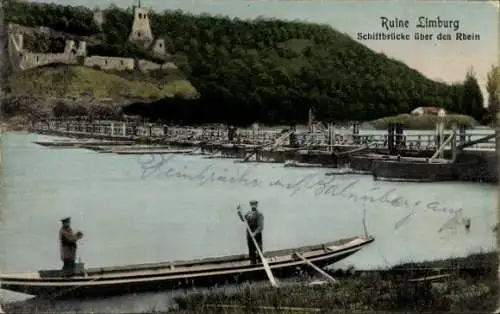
(457,285)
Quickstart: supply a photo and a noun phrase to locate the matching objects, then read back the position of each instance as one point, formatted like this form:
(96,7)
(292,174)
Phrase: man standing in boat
(255,221)
(68,246)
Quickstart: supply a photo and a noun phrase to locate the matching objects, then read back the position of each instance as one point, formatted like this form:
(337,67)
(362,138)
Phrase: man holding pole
(255,220)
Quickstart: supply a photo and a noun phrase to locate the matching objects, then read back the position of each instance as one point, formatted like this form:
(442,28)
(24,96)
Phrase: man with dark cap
(255,221)
(68,246)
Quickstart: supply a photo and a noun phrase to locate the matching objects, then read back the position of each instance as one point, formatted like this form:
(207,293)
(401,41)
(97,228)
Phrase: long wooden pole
(269,273)
(316,268)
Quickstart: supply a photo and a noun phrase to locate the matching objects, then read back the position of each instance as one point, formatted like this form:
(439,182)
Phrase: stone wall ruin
(23,60)
(141,34)
(109,63)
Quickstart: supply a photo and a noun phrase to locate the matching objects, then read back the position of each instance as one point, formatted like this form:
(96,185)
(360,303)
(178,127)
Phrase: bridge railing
(426,141)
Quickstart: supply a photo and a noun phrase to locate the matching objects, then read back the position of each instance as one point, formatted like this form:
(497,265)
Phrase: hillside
(75,81)
(81,90)
(265,70)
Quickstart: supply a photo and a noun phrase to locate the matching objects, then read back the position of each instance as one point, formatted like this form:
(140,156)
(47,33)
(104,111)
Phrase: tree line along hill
(265,70)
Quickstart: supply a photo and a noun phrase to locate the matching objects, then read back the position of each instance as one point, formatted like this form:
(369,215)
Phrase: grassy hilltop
(266,70)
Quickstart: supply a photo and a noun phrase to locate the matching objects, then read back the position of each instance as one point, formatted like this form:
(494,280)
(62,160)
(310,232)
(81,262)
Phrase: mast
(311,120)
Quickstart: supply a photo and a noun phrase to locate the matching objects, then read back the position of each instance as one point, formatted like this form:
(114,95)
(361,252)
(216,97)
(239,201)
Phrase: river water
(149,209)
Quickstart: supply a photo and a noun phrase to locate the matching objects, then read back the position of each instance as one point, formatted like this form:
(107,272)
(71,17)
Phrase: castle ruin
(159,47)
(110,63)
(23,60)
(140,34)
(141,29)
(98,18)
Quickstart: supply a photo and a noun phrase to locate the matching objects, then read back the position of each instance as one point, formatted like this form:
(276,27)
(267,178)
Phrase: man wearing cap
(255,221)
(68,246)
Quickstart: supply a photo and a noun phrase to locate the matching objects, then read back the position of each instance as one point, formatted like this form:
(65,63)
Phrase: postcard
(249,156)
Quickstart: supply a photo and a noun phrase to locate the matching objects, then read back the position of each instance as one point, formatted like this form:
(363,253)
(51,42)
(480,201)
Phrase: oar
(273,281)
(319,270)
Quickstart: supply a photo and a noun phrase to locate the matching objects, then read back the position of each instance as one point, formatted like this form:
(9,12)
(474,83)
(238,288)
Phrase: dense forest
(264,70)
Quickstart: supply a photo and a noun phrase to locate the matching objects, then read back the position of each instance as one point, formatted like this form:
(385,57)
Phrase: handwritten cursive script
(317,183)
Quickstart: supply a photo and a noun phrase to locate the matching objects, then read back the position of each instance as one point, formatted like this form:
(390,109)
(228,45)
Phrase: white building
(433,111)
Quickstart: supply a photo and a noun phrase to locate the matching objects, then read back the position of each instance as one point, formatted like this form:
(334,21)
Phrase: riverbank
(450,285)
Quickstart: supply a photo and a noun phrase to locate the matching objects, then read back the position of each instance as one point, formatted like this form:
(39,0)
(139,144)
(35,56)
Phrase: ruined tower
(98,18)
(141,29)
(159,47)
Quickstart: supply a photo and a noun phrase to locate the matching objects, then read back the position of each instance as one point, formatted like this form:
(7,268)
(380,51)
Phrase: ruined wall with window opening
(141,34)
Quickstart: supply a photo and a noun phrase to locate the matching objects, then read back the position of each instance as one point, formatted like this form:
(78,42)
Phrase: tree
(472,98)
(493,89)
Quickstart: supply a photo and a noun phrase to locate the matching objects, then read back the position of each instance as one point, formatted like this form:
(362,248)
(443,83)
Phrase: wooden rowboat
(108,281)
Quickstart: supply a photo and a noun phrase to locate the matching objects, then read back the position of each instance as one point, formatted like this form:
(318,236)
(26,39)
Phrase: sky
(443,60)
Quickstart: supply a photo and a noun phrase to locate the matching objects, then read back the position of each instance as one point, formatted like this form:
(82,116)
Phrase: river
(148,209)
